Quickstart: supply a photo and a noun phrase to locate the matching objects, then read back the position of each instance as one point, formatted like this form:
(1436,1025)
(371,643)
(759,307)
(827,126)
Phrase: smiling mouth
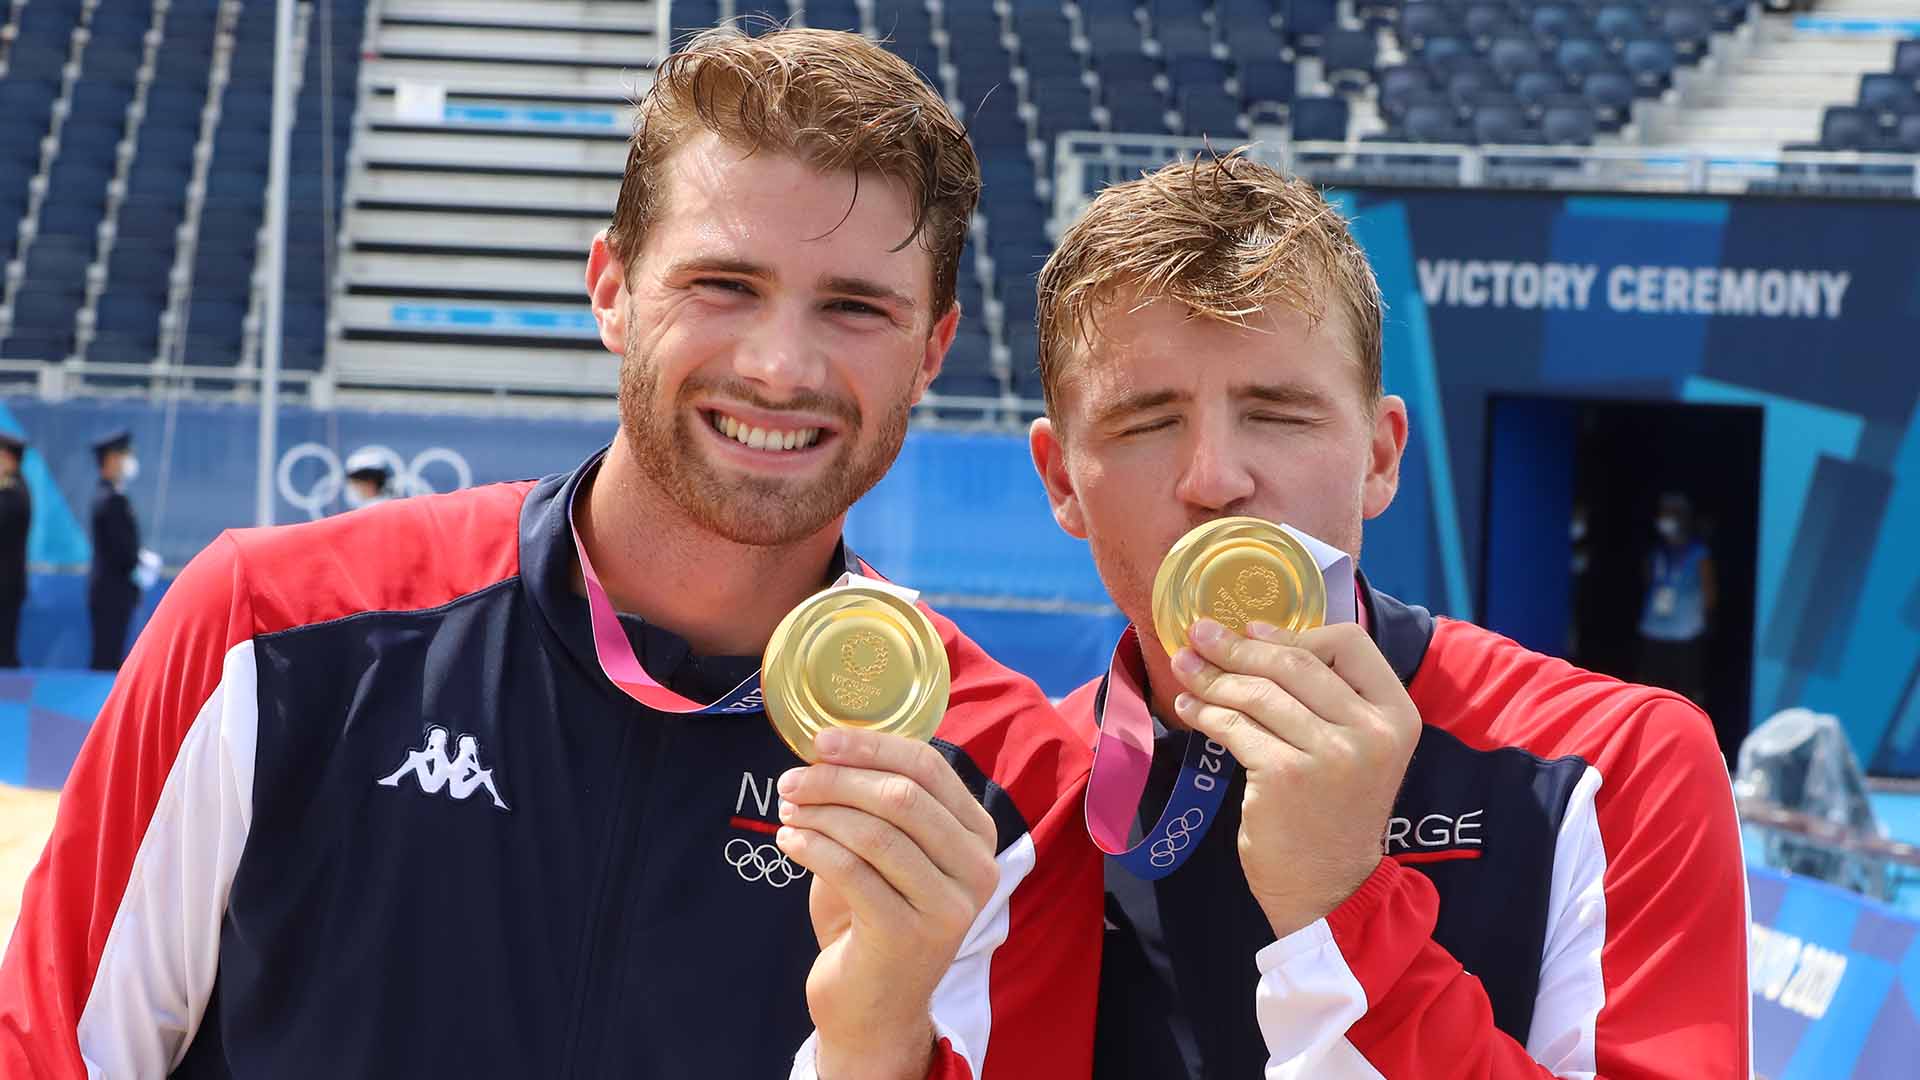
(778,440)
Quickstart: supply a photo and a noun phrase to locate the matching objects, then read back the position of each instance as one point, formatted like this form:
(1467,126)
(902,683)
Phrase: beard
(757,511)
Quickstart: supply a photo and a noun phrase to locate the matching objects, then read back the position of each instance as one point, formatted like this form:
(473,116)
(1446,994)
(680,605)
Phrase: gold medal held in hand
(1235,571)
(854,656)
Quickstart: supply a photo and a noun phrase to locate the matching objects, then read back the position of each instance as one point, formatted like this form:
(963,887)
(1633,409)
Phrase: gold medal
(1235,571)
(857,657)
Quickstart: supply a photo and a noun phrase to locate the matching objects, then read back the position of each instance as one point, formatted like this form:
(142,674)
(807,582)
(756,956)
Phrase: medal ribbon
(1123,749)
(623,667)
(620,664)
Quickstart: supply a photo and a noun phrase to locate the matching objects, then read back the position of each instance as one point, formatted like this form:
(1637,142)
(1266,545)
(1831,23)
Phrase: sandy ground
(26,817)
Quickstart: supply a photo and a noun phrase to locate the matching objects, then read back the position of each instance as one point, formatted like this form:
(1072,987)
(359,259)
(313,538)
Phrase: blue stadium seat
(1320,119)
(1688,28)
(1110,33)
(1421,21)
(1889,97)
(1197,72)
(1136,108)
(117,348)
(1533,88)
(50,345)
(1618,24)
(1402,87)
(832,14)
(1446,55)
(1906,60)
(1650,62)
(1464,86)
(1512,57)
(1241,16)
(1568,125)
(1350,57)
(1310,20)
(1211,111)
(1126,69)
(1845,127)
(1271,81)
(1581,57)
(970,354)
(1184,41)
(1553,23)
(1611,95)
(1502,125)
(1906,138)
(1485,22)
(1256,44)
(1434,123)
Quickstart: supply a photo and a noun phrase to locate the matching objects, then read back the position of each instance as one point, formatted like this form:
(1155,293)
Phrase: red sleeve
(1663,961)
(1042,979)
(75,891)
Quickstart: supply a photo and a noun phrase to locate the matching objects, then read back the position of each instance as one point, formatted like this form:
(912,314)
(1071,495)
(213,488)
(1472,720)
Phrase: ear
(606,292)
(939,340)
(1050,461)
(1388,445)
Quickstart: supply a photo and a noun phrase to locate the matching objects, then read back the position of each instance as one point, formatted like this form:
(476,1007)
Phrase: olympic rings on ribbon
(763,862)
(1179,832)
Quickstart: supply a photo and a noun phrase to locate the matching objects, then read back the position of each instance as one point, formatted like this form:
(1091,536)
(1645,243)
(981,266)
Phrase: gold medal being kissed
(854,656)
(1235,571)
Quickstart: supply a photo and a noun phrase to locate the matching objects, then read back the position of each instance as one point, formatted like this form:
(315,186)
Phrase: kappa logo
(461,775)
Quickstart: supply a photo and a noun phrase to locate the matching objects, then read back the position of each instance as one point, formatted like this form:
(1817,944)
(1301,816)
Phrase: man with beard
(1440,854)
(266,864)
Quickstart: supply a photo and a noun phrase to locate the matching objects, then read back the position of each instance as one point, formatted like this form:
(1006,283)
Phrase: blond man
(269,861)
(1440,854)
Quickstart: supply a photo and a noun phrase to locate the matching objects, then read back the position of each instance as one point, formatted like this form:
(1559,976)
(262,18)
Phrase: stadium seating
(147,228)
(1884,117)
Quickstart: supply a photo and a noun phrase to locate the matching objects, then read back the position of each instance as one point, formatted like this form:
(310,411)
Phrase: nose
(780,356)
(1216,478)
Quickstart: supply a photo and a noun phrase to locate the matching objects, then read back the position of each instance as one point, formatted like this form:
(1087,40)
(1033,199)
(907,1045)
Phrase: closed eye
(1289,421)
(855,307)
(732,285)
(1148,427)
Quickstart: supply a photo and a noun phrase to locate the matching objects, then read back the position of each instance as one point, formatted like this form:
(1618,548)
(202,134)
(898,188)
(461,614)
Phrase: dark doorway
(1574,488)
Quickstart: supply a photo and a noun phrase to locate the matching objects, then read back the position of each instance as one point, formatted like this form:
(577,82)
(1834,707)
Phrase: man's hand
(903,861)
(1324,729)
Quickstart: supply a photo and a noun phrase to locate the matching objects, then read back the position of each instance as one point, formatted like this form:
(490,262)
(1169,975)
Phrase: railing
(1085,162)
(1880,867)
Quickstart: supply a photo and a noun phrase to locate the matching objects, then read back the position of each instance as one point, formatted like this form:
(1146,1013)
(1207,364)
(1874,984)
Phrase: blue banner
(1836,982)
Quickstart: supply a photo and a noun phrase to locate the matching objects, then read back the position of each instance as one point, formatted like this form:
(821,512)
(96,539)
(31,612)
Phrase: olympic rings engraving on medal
(856,688)
(410,476)
(1179,834)
(1254,591)
(762,862)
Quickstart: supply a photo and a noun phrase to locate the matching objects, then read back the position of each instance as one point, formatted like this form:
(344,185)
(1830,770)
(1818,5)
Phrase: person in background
(369,479)
(1681,594)
(16,516)
(112,593)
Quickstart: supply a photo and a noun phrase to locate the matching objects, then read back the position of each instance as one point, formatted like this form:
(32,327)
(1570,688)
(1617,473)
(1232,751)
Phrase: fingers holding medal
(1314,713)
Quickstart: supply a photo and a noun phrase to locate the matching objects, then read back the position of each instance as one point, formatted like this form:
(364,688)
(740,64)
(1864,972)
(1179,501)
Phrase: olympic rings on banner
(409,476)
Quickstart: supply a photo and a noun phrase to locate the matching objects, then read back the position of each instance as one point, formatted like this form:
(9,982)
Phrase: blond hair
(832,99)
(1223,235)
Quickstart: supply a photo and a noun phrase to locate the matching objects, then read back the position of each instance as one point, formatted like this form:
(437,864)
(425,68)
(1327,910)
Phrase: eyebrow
(1272,393)
(871,290)
(843,285)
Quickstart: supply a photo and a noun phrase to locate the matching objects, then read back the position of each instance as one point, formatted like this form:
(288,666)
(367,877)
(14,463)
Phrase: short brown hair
(1224,235)
(832,99)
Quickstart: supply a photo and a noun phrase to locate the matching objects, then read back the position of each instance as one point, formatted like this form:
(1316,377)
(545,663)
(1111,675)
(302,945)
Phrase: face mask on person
(129,468)
(1668,526)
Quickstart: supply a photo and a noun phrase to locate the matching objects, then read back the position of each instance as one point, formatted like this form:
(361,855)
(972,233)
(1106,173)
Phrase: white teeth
(762,438)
